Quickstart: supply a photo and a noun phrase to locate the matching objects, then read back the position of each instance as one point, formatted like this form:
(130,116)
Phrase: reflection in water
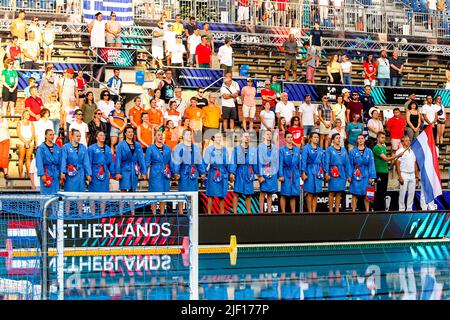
(382,273)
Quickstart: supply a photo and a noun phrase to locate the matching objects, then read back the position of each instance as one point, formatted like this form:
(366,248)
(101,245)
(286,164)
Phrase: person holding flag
(268,171)
(48,164)
(337,171)
(408,174)
(312,170)
(158,160)
(216,164)
(289,172)
(243,169)
(363,174)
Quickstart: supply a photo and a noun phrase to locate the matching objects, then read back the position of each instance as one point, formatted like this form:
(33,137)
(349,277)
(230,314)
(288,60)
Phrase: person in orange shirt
(171,135)
(145,132)
(195,115)
(211,119)
(135,113)
(172,114)
(155,116)
(118,122)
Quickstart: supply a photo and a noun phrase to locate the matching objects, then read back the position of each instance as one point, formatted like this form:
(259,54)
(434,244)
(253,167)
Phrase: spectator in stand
(31,83)
(145,132)
(47,86)
(54,107)
(97,31)
(171,114)
(41,125)
(18,27)
(193,41)
(88,108)
(285,108)
(297,132)
(208,34)
(106,106)
(147,97)
(441,120)
(243,12)
(225,56)
(411,98)
(175,56)
(10,79)
(268,95)
(408,174)
(267,117)
(307,115)
(354,106)
(339,129)
(326,118)
(36,29)
(169,40)
(81,87)
(79,125)
(34,104)
(155,115)
(429,114)
(26,135)
(170,135)
(113,30)
(178,26)
(115,84)
(134,114)
(167,86)
(413,121)
(4,145)
(340,111)
(382,170)
(374,125)
(282,129)
(14,52)
(275,85)
(95,126)
(396,127)
(447,76)
(396,64)
(370,71)
(346,67)
(431,9)
(158,45)
(368,102)
(119,122)
(31,52)
(203,53)
(354,129)
(248,96)
(211,115)
(190,27)
(229,93)
(181,104)
(334,70)
(316,40)
(202,101)
(290,49)
(195,115)
(67,88)
(312,61)
(323,10)
(69,114)
(383,70)
(160,104)
(48,40)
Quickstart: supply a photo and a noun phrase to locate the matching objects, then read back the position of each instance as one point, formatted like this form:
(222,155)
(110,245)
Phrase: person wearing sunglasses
(36,29)
(113,30)
(79,125)
(95,126)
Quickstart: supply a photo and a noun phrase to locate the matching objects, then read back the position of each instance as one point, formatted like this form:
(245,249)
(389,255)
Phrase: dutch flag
(424,149)
(23,233)
(122,8)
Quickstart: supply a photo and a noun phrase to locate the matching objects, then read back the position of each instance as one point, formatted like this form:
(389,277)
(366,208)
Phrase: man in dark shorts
(229,93)
(290,49)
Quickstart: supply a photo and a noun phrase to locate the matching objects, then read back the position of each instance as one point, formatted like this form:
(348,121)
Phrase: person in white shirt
(307,113)
(285,108)
(267,117)
(323,10)
(33,176)
(176,52)
(67,88)
(79,125)
(429,114)
(181,104)
(229,92)
(408,174)
(193,41)
(346,66)
(158,45)
(225,56)
(31,52)
(169,39)
(432,9)
(41,125)
(36,29)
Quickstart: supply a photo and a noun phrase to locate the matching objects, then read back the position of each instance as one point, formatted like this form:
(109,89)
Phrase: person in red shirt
(297,132)
(268,95)
(354,106)
(369,71)
(81,87)
(14,52)
(203,53)
(396,126)
(34,104)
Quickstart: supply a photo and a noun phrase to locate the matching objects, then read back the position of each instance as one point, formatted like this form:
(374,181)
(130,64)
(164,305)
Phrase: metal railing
(49,6)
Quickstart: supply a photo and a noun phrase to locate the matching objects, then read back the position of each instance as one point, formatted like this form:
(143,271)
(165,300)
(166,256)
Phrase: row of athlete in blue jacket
(72,164)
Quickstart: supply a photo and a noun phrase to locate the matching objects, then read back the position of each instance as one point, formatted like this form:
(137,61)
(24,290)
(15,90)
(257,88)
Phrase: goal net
(99,246)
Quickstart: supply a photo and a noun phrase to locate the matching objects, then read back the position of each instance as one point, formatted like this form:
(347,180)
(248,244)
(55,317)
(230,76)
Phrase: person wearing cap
(268,95)
(248,95)
(31,52)
(113,30)
(203,53)
(192,42)
(158,44)
(97,30)
(374,125)
(290,49)
(67,88)
(225,55)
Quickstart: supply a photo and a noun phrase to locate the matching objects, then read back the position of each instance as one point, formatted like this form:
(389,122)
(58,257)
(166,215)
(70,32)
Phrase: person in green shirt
(354,129)
(382,169)
(10,79)
(276,86)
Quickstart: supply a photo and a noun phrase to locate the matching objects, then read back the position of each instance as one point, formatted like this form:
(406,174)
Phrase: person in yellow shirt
(195,115)
(178,26)
(211,119)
